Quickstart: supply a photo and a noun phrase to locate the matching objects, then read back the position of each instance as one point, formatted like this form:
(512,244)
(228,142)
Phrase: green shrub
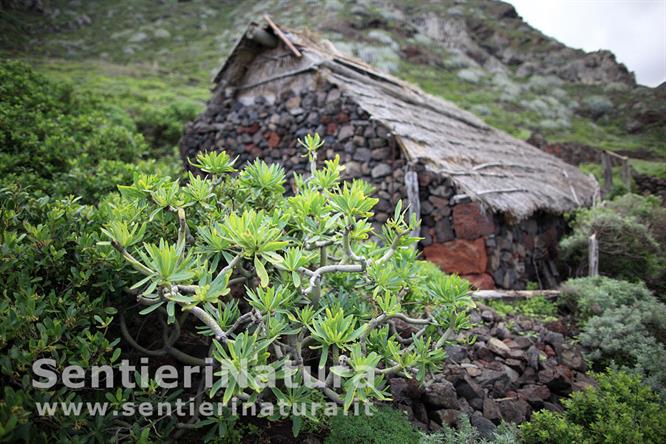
(631,235)
(52,305)
(310,286)
(591,296)
(386,425)
(465,433)
(162,126)
(54,141)
(56,282)
(620,410)
(622,326)
(619,338)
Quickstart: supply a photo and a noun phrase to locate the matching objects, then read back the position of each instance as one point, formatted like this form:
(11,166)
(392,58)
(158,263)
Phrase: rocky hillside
(480,54)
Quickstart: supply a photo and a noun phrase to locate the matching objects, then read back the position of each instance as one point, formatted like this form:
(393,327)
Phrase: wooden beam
(513,295)
(616,155)
(278,32)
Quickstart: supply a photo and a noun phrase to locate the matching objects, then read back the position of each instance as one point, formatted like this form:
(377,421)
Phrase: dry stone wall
(262,129)
(462,238)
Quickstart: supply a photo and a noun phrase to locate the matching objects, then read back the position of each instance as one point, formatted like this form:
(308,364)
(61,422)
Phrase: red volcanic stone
(471,222)
(273,139)
(248,129)
(252,149)
(481,281)
(342,118)
(459,256)
(331,129)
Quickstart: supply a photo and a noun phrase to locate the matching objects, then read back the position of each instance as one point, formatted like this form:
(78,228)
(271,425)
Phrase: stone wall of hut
(461,237)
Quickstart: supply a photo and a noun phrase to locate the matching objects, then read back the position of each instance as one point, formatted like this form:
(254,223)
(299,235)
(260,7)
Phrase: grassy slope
(140,56)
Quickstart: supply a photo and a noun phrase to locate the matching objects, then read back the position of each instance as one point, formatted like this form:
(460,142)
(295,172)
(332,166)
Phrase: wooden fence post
(607,164)
(593,255)
(626,173)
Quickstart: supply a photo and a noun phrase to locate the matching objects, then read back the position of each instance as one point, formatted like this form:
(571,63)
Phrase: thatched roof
(491,167)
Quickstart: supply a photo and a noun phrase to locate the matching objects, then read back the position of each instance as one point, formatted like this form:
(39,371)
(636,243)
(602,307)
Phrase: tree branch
(131,259)
(341,268)
(207,319)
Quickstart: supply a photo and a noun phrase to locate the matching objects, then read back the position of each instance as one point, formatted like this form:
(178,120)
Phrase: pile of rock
(516,366)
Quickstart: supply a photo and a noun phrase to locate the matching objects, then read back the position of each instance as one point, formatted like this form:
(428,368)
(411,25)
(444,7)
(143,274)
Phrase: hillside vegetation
(479,54)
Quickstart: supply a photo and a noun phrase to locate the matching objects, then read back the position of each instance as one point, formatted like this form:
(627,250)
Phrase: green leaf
(296,425)
(324,356)
(151,308)
(296,278)
(261,272)
(216,387)
(229,392)
(341,371)
(349,398)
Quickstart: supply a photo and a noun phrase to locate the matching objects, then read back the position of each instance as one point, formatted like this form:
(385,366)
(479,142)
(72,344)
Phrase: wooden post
(412,186)
(593,255)
(626,173)
(596,196)
(608,173)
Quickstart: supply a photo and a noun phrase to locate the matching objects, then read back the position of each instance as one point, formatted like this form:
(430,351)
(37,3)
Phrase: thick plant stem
(392,249)
(341,268)
(131,259)
(207,319)
(346,245)
(182,227)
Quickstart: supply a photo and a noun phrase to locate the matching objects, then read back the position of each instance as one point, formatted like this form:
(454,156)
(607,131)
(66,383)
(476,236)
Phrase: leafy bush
(317,291)
(631,235)
(54,141)
(623,325)
(384,426)
(53,304)
(468,434)
(620,410)
(593,295)
(538,307)
(56,281)
(162,126)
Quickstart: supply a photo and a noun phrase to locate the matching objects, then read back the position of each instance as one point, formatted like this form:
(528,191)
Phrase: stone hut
(491,205)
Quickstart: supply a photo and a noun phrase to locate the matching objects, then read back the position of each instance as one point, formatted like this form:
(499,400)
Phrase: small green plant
(537,307)
(620,410)
(385,425)
(466,433)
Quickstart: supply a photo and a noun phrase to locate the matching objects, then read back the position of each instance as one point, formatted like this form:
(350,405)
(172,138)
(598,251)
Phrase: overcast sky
(634,30)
